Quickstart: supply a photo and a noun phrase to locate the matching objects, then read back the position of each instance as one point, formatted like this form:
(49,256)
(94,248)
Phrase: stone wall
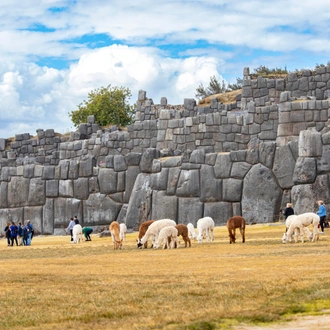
(181,162)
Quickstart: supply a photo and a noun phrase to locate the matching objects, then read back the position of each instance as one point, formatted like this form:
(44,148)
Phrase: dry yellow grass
(56,285)
(225,98)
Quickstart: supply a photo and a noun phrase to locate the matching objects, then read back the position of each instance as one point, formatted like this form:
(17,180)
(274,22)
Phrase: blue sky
(53,52)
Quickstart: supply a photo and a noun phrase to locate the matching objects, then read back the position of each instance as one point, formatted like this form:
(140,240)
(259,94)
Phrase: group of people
(322,213)
(20,234)
(86,230)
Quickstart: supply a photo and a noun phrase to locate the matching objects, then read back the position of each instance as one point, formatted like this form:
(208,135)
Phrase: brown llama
(142,230)
(115,234)
(232,224)
(183,231)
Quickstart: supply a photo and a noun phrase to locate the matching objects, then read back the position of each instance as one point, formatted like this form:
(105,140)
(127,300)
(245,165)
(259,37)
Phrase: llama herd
(165,233)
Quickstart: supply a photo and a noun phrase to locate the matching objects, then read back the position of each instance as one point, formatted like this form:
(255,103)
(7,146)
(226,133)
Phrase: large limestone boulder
(163,206)
(18,190)
(219,212)
(284,164)
(190,210)
(211,188)
(310,143)
(188,184)
(261,195)
(305,170)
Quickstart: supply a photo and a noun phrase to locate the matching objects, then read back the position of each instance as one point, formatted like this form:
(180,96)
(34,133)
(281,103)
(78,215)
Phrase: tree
(217,88)
(108,104)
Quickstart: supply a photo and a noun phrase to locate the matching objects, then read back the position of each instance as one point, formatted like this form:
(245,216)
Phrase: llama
(191,231)
(115,234)
(301,221)
(153,231)
(142,230)
(232,224)
(205,225)
(77,233)
(168,238)
(123,231)
(183,231)
(306,231)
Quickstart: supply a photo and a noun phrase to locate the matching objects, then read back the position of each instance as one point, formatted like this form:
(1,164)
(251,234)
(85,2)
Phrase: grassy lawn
(57,285)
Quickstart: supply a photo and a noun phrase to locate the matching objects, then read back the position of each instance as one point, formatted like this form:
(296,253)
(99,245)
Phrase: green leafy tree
(109,105)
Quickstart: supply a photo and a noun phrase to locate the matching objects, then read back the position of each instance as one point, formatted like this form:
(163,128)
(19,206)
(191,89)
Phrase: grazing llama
(301,221)
(143,229)
(153,231)
(123,231)
(232,224)
(205,225)
(183,231)
(115,234)
(191,231)
(306,231)
(168,238)
(77,233)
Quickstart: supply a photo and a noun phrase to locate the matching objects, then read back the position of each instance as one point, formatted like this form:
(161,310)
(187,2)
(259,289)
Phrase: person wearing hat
(322,213)
(288,210)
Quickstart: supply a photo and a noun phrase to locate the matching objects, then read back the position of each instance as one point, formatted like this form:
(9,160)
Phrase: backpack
(15,230)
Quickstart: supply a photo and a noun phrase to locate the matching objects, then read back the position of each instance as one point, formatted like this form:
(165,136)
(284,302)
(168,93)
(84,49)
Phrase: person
(70,227)
(288,210)
(87,231)
(7,233)
(76,221)
(13,233)
(20,234)
(30,231)
(322,213)
(25,235)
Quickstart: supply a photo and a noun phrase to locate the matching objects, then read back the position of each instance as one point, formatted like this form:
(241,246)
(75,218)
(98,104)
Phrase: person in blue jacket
(322,213)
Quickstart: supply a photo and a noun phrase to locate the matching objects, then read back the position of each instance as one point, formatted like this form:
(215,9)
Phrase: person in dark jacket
(87,231)
(13,233)
(20,234)
(7,233)
(288,210)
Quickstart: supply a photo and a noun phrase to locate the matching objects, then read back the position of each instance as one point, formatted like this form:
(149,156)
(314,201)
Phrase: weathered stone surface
(283,168)
(239,170)
(65,188)
(48,217)
(222,166)
(140,198)
(86,166)
(99,209)
(37,191)
(81,188)
(28,171)
(3,195)
(158,181)
(107,179)
(64,209)
(119,163)
(305,196)
(198,156)
(147,160)
(211,188)
(52,188)
(304,171)
(266,153)
(219,212)
(9,215)
(34,214)
(188,184)
(232,190)
(131,175)
(261,195)
(49,173)
(173,177)
(164,206)
(189,210)
(18,190)
(310,144)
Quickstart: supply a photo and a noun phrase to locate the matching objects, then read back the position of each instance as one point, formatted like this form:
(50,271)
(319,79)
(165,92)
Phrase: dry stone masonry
(184,162)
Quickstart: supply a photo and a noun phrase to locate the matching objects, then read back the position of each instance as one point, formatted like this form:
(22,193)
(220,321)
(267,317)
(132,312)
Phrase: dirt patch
(320,322)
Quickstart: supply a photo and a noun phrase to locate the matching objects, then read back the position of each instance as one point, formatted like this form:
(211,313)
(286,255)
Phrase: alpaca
(301,221)
(153,231)
(232,224)
(115,234)
(191,231)
(77,233)
(205,225)
(123,231)
(306,231)
(142,230)
(168,238)
(183,231)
